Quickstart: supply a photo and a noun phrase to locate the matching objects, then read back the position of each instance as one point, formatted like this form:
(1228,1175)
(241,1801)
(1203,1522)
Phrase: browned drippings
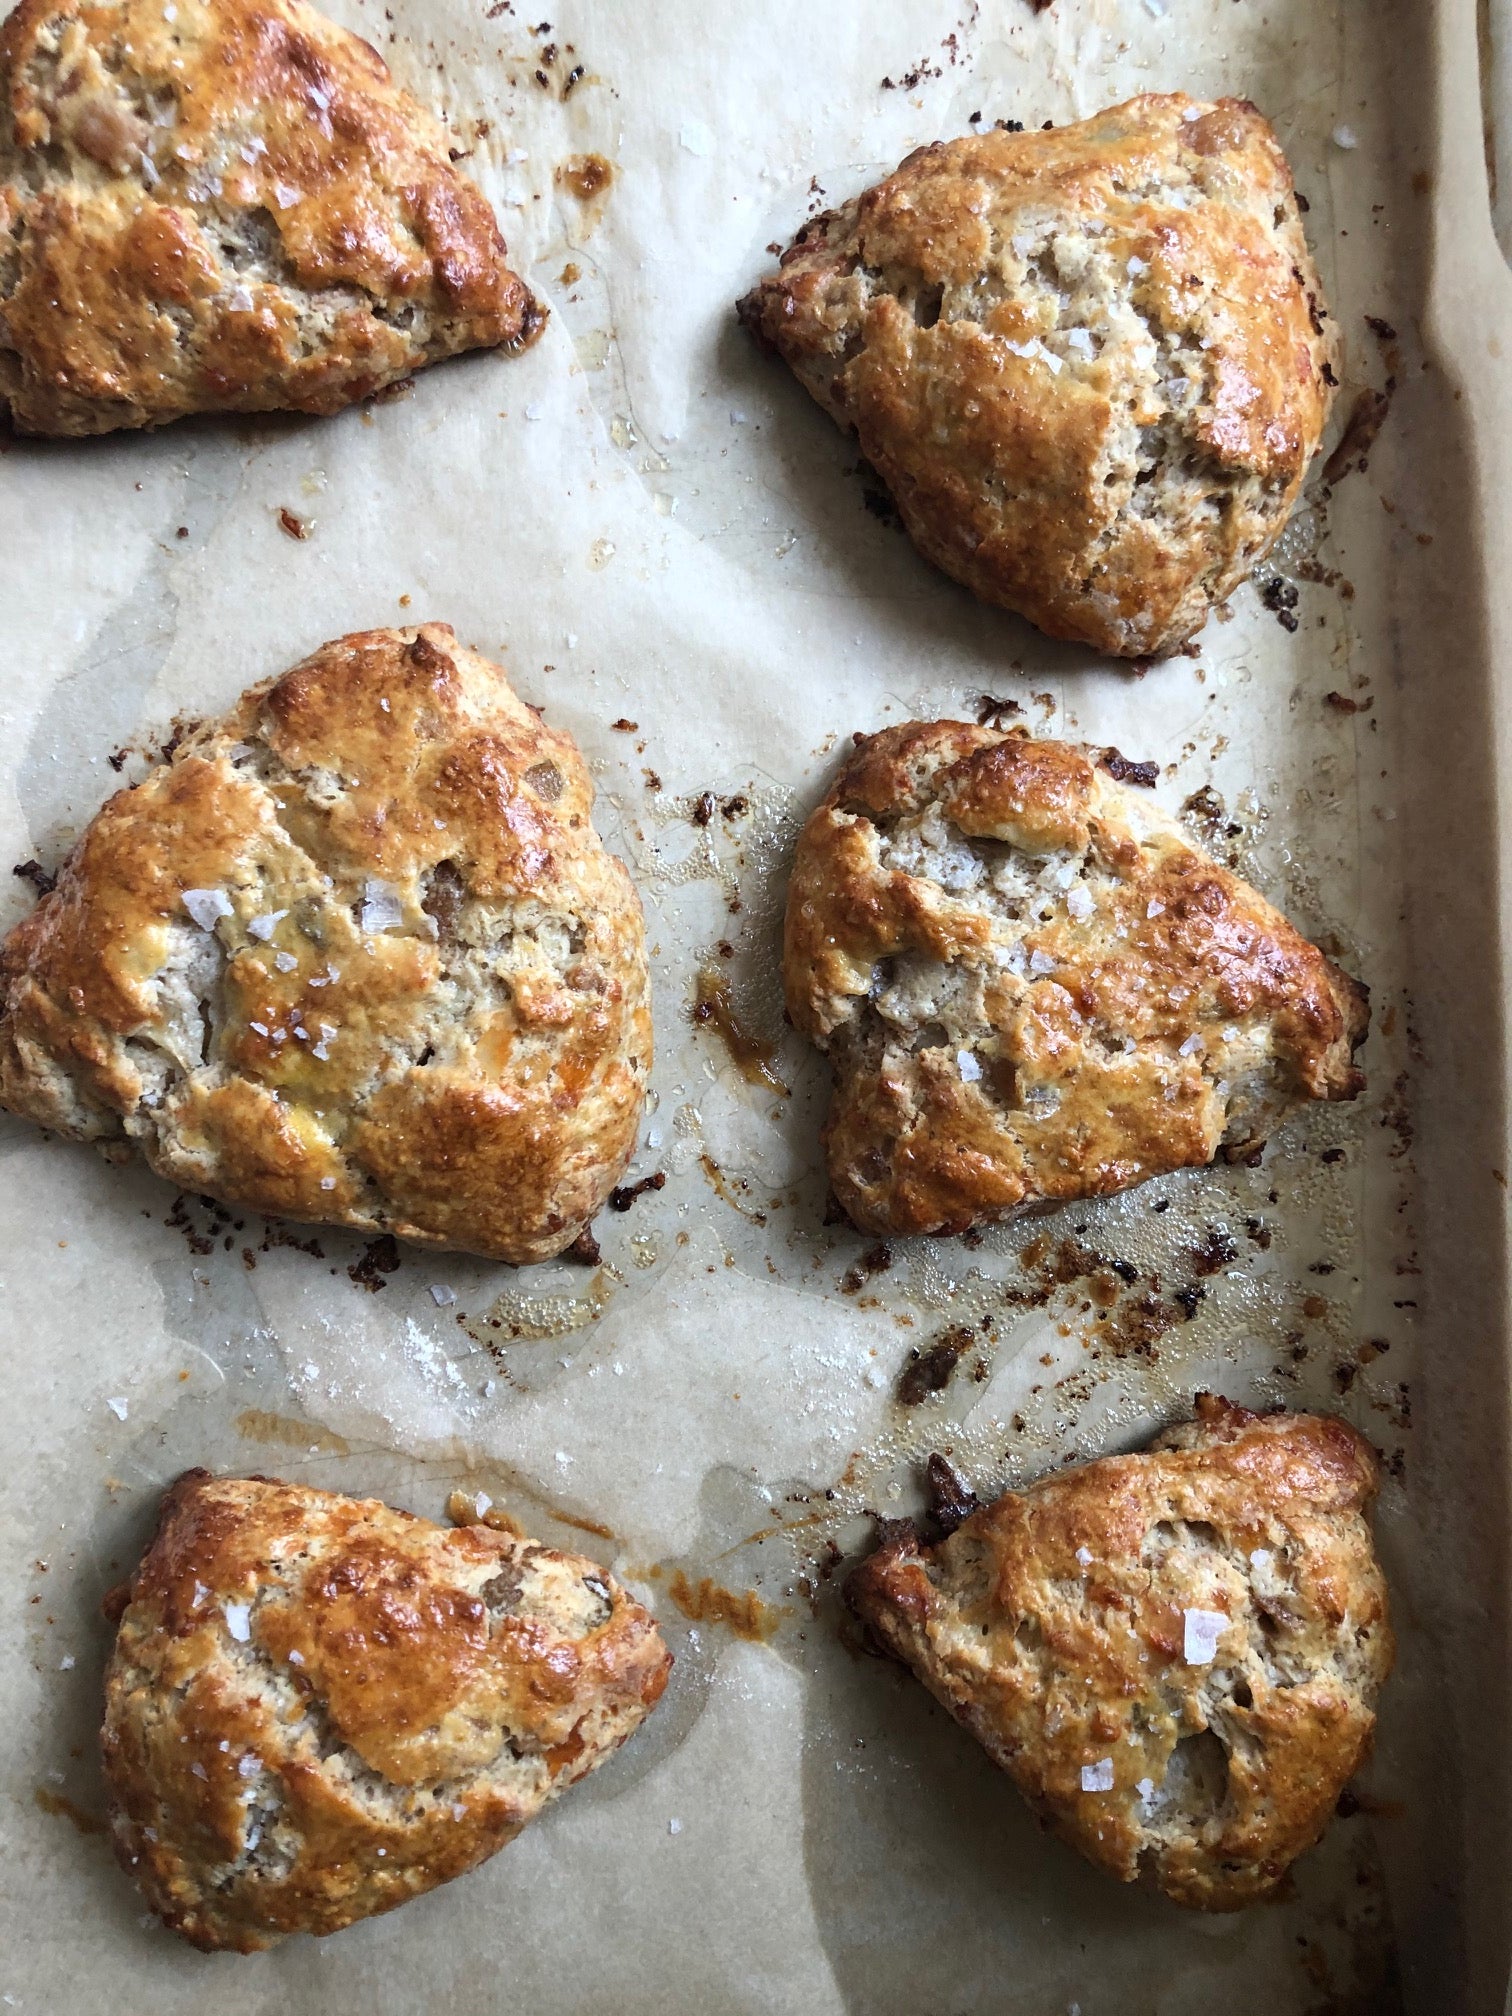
(284,1432)
(742,1612)
(751,1055)
(64,1808)
(585,176)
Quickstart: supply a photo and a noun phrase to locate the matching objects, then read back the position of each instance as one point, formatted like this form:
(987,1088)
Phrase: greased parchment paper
(673,552)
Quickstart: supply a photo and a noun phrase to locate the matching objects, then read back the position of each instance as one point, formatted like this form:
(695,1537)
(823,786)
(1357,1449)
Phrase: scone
(1174,1655)
(1091,364)
(318,1707)
(1033,987)
(355,954)
(225,205)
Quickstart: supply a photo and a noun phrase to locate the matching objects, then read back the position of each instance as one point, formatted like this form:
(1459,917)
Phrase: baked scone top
(1175,1654)
(356,954)
(1032,985)
(225,204)
(318,1707)
(1090,363)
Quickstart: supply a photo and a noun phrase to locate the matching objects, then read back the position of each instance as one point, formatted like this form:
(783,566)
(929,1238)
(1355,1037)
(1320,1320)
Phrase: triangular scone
(1174,1655)
(356,954)
(225,205)
(1091,363)
(1033,986)
(318,1707)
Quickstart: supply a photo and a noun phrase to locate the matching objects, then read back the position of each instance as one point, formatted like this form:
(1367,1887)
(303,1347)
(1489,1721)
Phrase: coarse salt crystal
(1080,340)
(119,1407)
(260,1027)
(285,196)
(1041,963)
(459,1812)
(1261,1557)
(1137,265)
(968,1065)
(1154,908)
(1191,1046)
(238,1621)
(563,1458)
(534,412)
(285,961)
(381,907)
(240,298)
(571,641)
(1231,1034)
(263,926)
(442,1295)
(206,905)
(481,1503)
(674,1826)
(1145,1787)
(197,1770)
(66,1663)
(249,1765)
(1097,1777)
(1079,900)
(296,1657)
(1201,1631)
(696,137)
(1345,137)
(1084,1556)
(326,1182)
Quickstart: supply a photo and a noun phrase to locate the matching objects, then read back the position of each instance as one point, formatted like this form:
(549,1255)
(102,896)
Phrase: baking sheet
(651,524)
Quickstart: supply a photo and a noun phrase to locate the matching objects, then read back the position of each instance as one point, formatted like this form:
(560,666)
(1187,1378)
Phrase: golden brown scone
(318,1707)
(1091,364)
(1174,1655)
(1033,986)
(355,955)
(225,205)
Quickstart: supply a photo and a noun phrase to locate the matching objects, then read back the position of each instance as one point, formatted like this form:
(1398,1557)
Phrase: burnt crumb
(929,1371)
(1302,203)
(1281,596)
(703,810)
(833,1213)
(1342,703)
(117,759)
(1344,1377)
(1186,1299)
(1260,1232)
(276,1233)
(1331,1155)
(1380,329)
(1366,418)
(625,1195)
(951,1498)
(912,79)
(1008,125)
(182,532)
(571,81)
(178,1220)
(1330,376)
(37,875)
(1212,1254)
(625,727)
(736,807)
(653,780)
(975,119)
(991,712)
(584,1250)
(390,395)
(875,1260)
(1210,815)
(1123,771)
(380,1257)
(291,524)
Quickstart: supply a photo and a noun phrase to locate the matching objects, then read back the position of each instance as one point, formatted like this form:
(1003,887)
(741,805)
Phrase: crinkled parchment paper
(673,551)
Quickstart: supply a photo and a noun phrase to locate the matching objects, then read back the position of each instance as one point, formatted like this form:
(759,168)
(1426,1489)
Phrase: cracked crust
(423,1006)
(1054,1625)
(1033,987)
(318,1707)
(225,205)
(1092,364)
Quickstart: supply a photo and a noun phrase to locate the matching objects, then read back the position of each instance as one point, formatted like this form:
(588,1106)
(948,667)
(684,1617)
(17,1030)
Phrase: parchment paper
(652,524)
